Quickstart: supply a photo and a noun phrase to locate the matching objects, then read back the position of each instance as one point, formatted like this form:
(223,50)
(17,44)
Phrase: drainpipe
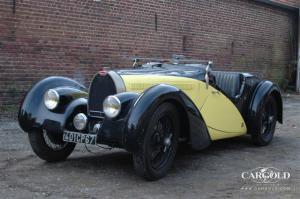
(298,66)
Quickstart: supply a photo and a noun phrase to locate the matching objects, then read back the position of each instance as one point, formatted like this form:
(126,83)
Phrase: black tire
(263,130)
(161,141)
(50,147)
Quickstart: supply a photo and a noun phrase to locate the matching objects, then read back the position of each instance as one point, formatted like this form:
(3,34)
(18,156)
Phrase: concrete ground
(212,173)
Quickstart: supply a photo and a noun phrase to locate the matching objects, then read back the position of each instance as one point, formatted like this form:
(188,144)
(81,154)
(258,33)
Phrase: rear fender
(262,91)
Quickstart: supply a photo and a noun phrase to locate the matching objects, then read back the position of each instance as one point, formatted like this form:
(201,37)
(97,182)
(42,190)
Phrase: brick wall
(40,38)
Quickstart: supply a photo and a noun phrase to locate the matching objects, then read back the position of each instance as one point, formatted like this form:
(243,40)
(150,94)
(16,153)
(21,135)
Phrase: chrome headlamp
(112,106)
(51,99)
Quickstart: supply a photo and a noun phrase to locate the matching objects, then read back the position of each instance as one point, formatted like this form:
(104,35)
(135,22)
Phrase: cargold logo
(265,175)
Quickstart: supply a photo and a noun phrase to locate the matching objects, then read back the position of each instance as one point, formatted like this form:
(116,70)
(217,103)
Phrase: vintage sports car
(149,110)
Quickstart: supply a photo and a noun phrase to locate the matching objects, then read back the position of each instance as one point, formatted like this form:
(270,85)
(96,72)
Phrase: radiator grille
(101,87)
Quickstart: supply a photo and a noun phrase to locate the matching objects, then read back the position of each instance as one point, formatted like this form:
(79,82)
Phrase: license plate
(76,137)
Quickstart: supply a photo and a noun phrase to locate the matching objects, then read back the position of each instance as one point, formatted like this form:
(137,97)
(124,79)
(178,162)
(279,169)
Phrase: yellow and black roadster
(149,110)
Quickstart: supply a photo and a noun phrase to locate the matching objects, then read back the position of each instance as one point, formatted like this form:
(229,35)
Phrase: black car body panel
(262,91)
(34,115)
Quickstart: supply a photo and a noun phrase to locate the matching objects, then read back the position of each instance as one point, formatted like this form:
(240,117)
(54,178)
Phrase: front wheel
(263,130)
(49,146)
(159,144)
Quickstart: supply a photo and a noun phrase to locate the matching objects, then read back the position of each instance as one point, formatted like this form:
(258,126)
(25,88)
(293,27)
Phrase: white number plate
(76,137)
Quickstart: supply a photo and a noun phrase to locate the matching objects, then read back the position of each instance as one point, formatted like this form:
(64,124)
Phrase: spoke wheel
(160,142)
(49,146)
(54,142)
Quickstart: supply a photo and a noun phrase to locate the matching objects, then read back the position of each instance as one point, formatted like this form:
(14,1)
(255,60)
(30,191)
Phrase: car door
(221,116)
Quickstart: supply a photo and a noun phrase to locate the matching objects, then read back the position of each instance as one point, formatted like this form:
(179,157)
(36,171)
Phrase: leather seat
(228,82)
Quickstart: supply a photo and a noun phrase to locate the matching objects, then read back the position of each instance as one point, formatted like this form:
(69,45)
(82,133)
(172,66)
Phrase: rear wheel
(49,146)
(263,130)
(160,142)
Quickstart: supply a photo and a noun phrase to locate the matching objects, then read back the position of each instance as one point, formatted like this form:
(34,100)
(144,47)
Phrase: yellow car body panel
(222,118)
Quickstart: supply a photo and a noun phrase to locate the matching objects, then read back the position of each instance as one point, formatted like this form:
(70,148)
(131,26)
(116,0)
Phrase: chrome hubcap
(167,142)
(267,119)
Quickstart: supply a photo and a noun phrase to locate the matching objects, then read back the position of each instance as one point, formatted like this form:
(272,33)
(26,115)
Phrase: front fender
(145,105)
(34,115)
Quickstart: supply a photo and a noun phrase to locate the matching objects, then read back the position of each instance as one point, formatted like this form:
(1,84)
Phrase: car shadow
(236,143)
(121,161)
(112,159)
